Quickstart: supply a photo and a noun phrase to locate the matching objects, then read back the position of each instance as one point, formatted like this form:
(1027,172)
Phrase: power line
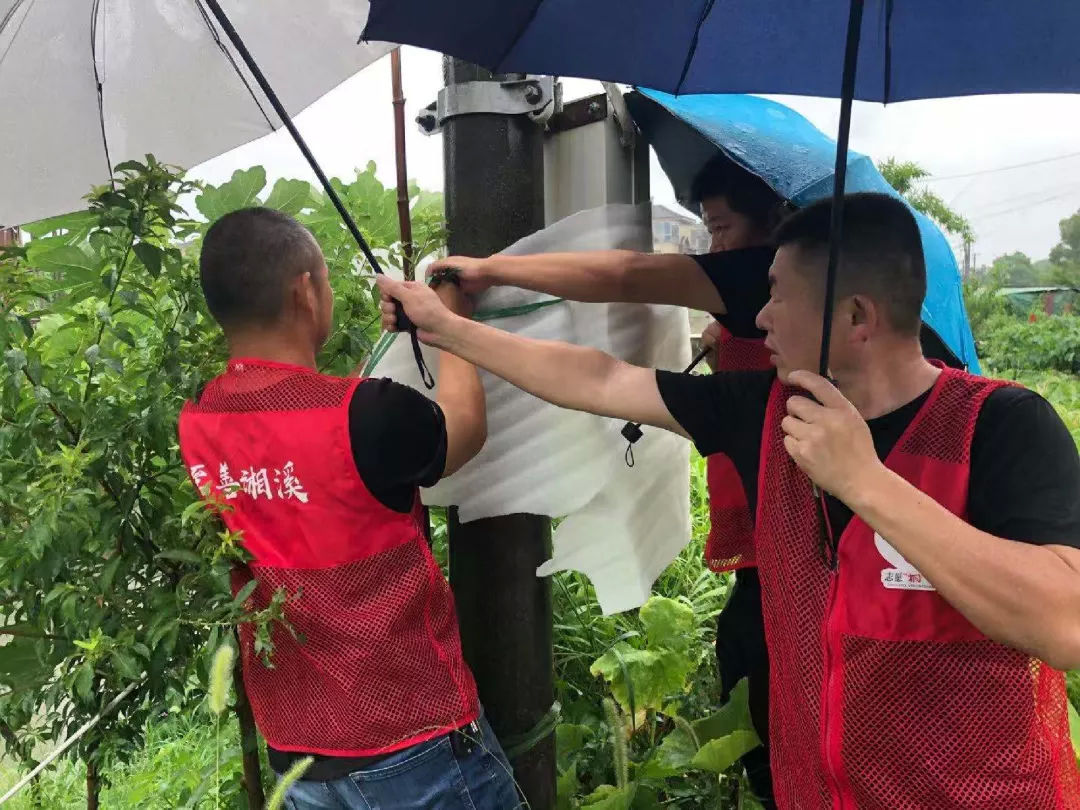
(936,178)
(984,206)
(1031,204)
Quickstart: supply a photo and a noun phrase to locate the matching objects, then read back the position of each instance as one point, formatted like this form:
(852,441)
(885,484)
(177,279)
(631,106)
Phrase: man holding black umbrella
(917,532)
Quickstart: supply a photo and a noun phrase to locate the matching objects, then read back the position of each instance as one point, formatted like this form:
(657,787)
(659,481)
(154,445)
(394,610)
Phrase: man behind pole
(739,210)
(917,528)
(320,477)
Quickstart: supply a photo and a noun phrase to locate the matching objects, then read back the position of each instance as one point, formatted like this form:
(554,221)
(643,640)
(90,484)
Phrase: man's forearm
(608,276)
(461,396)
(595,276)
(1022,595)
(574,377)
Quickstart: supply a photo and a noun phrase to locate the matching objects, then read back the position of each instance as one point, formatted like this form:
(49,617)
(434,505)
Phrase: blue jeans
(440,774)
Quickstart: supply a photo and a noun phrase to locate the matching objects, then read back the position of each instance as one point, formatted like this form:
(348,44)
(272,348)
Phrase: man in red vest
(739,210)
(319,475)
(917,528)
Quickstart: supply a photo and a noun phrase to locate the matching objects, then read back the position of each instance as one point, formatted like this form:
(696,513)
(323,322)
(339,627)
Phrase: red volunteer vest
(373,663)
(731,535)
(881,694)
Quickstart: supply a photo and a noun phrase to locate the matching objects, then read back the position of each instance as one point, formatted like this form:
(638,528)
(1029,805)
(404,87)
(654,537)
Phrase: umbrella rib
(94,14)
(520,33)
(236,68)
(888,51)
(692,50)
(4,23)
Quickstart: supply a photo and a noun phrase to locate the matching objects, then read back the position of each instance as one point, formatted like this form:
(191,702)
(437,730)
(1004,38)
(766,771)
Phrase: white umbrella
(79,77)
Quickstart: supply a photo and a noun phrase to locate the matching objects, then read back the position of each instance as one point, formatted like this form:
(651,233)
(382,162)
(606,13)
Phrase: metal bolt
(533,94)
(594,108)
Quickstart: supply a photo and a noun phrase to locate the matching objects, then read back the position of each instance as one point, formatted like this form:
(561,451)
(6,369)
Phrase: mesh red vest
(376,664)
(881,694)
(731,535)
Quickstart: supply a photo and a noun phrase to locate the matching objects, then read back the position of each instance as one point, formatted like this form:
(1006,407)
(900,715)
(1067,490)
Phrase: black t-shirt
(742,279)
(398,439)
(1025,474)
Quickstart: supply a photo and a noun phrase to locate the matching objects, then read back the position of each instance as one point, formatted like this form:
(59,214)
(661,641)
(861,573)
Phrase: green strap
(517,744)
(511,312)
(387,340)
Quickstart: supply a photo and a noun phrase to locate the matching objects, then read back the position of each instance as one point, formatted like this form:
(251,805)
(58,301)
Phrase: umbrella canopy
(908,50)
(87,84)
(796,159)
(876,50)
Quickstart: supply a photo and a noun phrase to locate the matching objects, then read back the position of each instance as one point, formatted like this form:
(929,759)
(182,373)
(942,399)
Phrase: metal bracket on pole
(627,130)
(529,95)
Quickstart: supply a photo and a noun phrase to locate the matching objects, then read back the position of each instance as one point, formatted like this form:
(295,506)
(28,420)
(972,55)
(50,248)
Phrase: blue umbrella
(896,52)
(795,159)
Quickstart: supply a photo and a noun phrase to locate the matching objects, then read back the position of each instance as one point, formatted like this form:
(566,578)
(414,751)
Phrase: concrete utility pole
(493,155)
(507,176)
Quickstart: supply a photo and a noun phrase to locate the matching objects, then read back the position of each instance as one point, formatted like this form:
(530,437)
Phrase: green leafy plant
(111,571)
(1043,343)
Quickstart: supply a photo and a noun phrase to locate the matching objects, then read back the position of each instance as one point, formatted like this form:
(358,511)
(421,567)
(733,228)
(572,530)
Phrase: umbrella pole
(847,95)
(404,222)
(829,548)
(286,120)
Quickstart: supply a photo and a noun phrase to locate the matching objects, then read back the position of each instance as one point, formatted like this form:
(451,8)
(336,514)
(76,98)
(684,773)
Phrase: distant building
(674,232)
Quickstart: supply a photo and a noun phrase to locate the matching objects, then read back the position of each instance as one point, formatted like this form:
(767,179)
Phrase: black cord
(95,11)
(632,432)
(828,544)
(403,322)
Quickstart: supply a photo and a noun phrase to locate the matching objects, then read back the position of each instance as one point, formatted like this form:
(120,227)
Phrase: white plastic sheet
(623,525)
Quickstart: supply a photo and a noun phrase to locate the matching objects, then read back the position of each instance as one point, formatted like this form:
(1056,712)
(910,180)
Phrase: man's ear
(865,316)
(302,297)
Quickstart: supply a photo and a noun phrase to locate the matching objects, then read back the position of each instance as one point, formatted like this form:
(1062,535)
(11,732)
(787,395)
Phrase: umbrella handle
(403,321)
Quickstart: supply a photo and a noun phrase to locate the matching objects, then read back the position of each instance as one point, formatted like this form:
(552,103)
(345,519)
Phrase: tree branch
(112,293)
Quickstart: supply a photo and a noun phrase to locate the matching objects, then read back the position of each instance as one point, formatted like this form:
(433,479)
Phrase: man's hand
(471,272)
(828,439)
(455,299)
(426,309)
(710,339)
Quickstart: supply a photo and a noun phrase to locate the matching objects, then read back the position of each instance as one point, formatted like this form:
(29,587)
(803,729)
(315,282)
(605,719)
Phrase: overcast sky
(976,138)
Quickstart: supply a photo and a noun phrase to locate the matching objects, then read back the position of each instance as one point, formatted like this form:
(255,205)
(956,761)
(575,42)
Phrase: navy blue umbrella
(874,50)
(908,50)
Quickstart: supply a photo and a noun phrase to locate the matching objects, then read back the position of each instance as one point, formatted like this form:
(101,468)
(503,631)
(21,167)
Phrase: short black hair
(745,192)
(248,258)
(881,253)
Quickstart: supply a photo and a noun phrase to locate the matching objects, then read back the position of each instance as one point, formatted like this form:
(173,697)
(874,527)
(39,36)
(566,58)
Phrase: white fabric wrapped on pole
(623,525)
(171,85)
